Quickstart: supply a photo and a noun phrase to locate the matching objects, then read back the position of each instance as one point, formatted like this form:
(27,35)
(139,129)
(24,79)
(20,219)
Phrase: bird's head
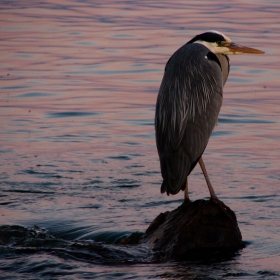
(217,43)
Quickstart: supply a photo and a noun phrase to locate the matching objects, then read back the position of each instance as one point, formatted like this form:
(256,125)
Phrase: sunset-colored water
(79,82)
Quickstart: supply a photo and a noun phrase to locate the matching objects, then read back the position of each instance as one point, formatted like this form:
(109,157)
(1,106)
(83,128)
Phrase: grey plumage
(188,105)
(189,99)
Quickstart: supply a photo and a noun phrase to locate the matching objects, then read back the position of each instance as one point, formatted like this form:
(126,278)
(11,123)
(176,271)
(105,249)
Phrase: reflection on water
(79,82)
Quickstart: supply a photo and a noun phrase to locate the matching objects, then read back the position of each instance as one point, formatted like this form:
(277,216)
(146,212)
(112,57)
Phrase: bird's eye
(219,43)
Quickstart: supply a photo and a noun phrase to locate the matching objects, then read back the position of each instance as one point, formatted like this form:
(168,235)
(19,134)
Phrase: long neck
(224,61)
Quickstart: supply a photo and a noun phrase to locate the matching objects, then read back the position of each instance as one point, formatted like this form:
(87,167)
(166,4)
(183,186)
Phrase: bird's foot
(215,199)
(186,201)
(220,203)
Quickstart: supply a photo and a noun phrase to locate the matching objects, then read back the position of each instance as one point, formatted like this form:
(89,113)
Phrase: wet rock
(194,229)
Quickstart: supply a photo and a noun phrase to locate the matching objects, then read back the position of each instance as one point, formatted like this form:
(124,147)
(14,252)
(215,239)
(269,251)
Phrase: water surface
(79,82)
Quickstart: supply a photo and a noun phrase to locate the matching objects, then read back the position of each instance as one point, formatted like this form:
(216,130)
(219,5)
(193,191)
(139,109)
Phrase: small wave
(15,239)
(113,237)
(71,114)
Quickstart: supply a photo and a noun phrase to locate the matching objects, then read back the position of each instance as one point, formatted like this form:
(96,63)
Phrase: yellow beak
(238,49)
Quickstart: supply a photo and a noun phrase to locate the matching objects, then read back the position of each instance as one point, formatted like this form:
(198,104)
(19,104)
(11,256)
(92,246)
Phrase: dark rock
(193,229)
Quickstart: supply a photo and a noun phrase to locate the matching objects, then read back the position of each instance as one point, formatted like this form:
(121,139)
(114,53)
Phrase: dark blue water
(79,170)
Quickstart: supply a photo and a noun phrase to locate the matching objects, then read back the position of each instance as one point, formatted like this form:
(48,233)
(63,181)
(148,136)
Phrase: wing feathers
(188,104)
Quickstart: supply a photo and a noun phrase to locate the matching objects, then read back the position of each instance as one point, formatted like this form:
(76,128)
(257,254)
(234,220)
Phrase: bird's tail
(172,188)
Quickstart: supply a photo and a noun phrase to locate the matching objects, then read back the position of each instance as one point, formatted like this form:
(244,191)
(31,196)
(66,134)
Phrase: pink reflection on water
(89,64)
(108,60)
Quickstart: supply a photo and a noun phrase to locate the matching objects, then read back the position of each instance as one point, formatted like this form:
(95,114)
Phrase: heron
(188,104)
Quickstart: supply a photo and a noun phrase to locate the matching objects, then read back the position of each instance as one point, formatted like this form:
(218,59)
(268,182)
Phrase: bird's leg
(211,190)
(186,193)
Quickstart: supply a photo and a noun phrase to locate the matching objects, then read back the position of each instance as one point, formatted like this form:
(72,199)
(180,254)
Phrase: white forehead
(227,39)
